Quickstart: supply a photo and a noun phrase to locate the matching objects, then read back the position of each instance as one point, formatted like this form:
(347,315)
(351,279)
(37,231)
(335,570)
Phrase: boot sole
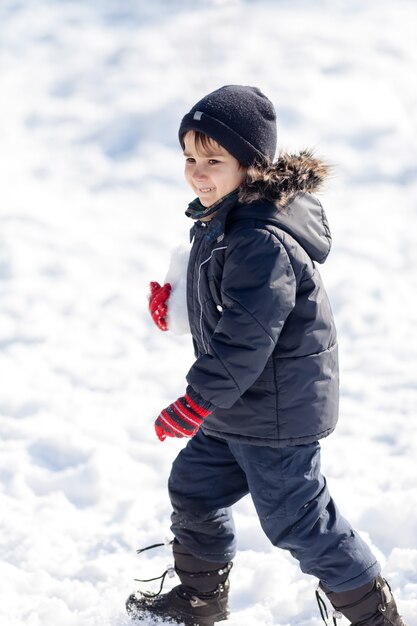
(141,614)
(157,619)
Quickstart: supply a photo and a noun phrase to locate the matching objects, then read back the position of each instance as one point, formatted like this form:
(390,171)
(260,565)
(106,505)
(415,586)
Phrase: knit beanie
(240,118)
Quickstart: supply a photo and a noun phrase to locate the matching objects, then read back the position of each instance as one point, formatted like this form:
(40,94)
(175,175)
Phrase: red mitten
(182,418)
(158,307)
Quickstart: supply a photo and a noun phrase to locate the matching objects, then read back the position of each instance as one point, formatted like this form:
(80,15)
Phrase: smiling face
(210,170)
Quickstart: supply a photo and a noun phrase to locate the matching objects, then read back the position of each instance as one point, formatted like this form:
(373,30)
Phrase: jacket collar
(216,226)
(198,211)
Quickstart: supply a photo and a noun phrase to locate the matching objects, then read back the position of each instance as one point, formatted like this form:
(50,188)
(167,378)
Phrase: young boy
(263,389)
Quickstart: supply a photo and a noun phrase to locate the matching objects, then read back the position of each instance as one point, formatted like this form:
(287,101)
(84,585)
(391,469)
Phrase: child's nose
(199,172)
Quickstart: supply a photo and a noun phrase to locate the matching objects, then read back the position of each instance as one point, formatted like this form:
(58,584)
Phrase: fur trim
(280,181)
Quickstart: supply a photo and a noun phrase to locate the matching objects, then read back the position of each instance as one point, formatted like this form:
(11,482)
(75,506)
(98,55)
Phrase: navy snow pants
(291,498)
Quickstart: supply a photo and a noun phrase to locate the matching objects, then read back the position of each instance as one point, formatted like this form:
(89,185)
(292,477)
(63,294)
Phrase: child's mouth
(205,189)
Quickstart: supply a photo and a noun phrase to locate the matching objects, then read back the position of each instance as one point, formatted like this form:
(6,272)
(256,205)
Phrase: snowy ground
(92,201)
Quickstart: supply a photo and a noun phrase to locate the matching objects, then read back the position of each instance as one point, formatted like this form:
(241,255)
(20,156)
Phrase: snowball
(177,316)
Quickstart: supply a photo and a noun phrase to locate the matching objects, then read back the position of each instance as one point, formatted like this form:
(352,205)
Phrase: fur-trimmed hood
(280,181)
(282,193)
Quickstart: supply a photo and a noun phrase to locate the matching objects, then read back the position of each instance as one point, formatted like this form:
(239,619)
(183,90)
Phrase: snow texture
(92,203)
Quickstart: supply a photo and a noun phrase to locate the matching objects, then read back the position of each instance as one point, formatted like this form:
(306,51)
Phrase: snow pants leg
(291,498)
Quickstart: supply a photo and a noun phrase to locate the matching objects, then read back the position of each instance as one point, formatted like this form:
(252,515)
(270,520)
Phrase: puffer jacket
(261,322)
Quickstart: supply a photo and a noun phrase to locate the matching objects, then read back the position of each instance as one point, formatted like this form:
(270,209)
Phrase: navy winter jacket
(262,326)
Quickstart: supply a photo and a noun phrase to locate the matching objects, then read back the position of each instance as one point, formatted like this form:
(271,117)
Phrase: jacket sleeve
(258,293)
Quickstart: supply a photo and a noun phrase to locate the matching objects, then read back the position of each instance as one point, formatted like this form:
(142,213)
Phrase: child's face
(211,172)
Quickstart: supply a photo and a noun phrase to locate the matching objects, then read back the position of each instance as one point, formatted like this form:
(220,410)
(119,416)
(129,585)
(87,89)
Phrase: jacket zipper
(199,295)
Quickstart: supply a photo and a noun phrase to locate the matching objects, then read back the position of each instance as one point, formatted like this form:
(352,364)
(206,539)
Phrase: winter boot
(370,605)
(200,600)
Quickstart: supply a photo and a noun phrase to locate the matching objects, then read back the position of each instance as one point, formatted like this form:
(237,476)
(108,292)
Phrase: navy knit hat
(240,118)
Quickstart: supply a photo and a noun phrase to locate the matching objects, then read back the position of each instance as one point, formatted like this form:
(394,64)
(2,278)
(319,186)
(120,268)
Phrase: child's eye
(190,160)
(213,161)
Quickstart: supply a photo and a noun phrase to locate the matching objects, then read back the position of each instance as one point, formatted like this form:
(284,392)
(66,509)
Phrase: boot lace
(167,542)
(170,570)
(324,612)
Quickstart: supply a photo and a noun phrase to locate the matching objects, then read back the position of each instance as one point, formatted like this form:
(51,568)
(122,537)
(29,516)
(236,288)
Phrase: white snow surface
(92,203)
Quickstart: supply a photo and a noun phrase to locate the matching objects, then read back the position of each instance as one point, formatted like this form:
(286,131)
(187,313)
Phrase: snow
(92,203)
(177,316)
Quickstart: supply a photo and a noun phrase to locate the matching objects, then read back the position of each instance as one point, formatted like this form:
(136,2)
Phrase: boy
(263,389)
